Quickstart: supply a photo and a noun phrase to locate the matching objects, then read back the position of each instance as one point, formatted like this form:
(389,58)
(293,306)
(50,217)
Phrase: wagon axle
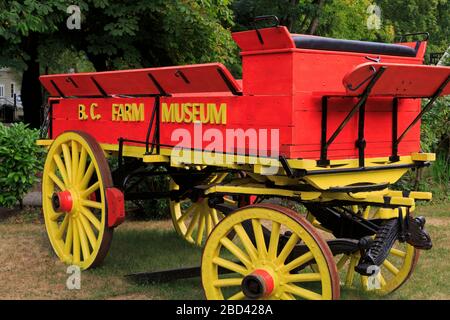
(62,201)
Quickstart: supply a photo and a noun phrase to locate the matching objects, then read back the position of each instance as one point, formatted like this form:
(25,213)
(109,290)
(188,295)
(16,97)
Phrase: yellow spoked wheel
(395,271)
(194,221)
(267,257)
(75,177)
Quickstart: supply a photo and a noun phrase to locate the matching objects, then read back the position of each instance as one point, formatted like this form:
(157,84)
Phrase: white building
(10,84)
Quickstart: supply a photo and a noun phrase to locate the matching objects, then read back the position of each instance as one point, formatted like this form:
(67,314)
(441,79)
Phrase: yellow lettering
(179,113)
(92,113)
(137,112)
(82,112)
(218,116)
(168,113)
(114,111)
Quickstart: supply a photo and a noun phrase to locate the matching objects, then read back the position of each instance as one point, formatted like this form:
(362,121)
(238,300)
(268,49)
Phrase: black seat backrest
(322,43)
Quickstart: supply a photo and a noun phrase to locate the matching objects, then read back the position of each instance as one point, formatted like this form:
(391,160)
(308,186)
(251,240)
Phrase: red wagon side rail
(200,78)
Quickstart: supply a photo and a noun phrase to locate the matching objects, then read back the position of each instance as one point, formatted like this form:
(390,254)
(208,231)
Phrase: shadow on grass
(134,251)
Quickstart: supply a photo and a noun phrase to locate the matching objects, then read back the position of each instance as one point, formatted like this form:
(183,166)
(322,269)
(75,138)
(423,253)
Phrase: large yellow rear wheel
(194,220)
(75,177)
(261,262)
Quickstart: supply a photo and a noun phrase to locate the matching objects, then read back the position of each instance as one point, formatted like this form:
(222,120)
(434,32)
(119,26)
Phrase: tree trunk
(315,21)
(31,91)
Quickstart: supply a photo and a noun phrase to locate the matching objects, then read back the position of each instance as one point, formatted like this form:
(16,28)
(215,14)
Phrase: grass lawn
(30,270)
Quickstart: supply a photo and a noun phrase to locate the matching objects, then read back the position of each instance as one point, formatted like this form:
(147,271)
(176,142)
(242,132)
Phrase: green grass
(151,246)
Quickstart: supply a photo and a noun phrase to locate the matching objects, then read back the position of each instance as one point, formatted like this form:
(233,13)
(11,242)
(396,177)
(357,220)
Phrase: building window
(12,90)
(2,91)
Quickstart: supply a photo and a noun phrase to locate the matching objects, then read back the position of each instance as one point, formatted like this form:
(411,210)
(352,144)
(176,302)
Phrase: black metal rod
(99,87)
(394,156)
(361,101)
(150,126)
(323,138)
(424,109)
(57,89)
(361,142)
(229,85)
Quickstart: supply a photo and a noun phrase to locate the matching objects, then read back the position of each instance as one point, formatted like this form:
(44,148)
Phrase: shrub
(20,160)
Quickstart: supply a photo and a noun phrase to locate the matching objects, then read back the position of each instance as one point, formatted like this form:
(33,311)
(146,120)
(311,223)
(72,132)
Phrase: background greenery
(124,34)
(21,160)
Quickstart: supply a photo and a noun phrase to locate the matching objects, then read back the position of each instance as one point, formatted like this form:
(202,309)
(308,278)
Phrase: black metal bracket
(156,134)
(264,18)
(359,106)
(397,139)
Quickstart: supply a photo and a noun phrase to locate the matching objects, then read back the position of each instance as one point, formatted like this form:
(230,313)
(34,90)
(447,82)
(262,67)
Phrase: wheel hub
(62,201)
(258,284)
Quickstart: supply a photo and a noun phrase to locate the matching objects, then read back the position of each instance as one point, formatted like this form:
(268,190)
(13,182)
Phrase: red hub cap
(62,201)
(258,284)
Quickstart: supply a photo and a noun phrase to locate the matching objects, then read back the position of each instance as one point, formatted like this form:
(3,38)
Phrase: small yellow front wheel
(76,175)
(266,257)
(194,220)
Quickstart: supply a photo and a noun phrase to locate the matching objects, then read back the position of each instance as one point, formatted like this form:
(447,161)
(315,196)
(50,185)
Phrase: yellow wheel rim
(194,221)
(395,270)
(75,165)
(244,256)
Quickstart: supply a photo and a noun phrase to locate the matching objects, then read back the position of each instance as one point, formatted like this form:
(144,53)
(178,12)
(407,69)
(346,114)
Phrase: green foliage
(20,160)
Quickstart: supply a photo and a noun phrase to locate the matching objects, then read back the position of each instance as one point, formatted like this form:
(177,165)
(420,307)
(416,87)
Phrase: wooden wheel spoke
(246,242)
(61,168)
(302,292)
(192,224)
(351,271)
(303,277)
(297,262)
(76,244)
(259,237)
(91,204)
(187,213)
(398,253)
(209,223)
(87,176)
(83,240)
(62,227)
(228,282)
(91,189)
(91,217)
(214,216)
(69,238)
(342,261)
(75,160)
(89,232)
(67,161)
(287,249)
(236,251)
(201,228)
(287,296)
(55,216)
(227,264)
(81,165)
(274,240)
(238,296)
(390,267)
(57,181)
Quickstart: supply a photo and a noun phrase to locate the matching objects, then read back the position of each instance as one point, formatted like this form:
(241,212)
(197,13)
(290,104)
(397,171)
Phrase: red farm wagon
(327,124)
